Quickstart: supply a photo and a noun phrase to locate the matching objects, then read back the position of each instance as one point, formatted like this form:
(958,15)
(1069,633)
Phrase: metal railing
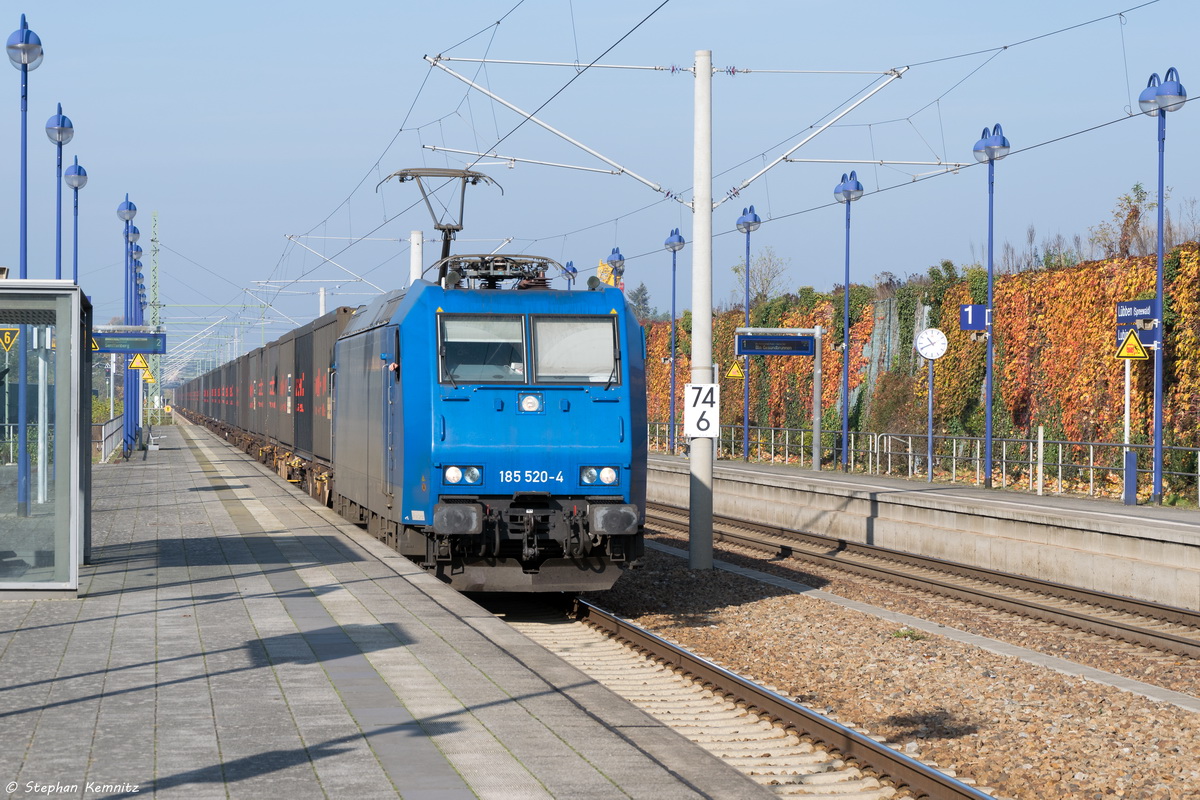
(1030,464)
(8,444)
(106,437)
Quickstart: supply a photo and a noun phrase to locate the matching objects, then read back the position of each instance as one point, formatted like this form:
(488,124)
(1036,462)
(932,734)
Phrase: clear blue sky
(241,123)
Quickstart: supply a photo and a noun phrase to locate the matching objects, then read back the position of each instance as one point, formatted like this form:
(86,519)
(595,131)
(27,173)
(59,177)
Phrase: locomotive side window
(576,350)
(482,348)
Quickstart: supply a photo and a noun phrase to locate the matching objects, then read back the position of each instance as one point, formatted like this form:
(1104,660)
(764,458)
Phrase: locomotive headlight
(531,403)
(608,476)
(471,474)
(588,475)
(453,475)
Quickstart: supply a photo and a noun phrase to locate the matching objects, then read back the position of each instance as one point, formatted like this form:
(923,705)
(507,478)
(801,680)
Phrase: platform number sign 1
(972,318)
(701,410)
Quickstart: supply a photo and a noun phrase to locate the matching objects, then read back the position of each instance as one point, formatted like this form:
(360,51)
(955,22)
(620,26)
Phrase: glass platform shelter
(45,432)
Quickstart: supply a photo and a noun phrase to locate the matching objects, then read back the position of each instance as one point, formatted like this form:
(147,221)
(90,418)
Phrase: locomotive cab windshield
(576,350)
(482,349)
(566,349)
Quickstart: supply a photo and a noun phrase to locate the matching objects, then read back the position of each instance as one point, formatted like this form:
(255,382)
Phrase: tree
(639,299)
(1124,236)
(942,277)
(766,277)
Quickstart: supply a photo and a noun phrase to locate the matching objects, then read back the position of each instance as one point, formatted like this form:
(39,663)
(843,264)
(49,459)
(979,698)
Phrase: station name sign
(1139,315)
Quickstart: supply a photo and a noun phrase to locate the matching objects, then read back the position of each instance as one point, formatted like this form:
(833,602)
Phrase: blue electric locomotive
(497,435)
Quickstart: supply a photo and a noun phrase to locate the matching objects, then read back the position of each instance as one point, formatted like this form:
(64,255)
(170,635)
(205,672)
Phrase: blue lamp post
(991,147)
(25,52)
(126,211)
(674,243)
(747,223)
(846,192)
(569,269)
(60,131)
(617,262)
(75,177)
(1156,100)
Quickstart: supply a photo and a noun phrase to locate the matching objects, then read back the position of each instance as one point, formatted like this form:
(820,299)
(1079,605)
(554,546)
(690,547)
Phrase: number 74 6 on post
(702,410)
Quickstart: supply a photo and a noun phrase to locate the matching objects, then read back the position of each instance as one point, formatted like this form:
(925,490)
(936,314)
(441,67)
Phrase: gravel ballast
(1027,731)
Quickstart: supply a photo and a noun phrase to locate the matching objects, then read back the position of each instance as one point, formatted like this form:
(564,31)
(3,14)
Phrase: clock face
(931,343)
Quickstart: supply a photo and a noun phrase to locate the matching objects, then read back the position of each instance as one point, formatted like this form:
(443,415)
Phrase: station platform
(1146,551)
(233,638)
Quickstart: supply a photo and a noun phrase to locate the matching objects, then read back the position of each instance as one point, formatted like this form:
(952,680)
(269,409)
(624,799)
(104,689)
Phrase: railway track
(1164,628)
(780,744)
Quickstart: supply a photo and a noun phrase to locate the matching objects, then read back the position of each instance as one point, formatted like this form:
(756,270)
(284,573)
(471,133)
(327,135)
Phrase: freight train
(482,424)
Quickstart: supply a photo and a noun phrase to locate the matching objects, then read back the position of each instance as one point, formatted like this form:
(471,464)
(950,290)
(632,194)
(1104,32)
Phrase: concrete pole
(321,301)
(416,256)
(700,540)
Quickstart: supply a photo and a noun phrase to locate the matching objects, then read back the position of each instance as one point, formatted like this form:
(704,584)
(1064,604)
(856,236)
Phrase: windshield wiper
(612,376)
(449,371)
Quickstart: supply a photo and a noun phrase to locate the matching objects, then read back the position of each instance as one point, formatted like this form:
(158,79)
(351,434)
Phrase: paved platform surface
(1145,516)
(234,639)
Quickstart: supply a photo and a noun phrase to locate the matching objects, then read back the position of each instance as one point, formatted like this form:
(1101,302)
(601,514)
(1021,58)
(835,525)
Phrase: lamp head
(616,261)
(1148,99)
(24,47)
(135,252)
(59,128)
(675,241)
(748,222)
(980,149)
(1171,94)
(849,189)
(593,283)
(134,234)
(75,175)
(127,210)
(992,146)
(997,146)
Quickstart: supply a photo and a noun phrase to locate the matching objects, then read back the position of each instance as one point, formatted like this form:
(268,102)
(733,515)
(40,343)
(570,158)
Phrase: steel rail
(902,770)
(840,553)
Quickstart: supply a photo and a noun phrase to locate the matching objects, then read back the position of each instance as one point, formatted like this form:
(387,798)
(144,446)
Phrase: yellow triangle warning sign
(148,377)
(1133,348)
(8,337)
(139,362)
(736,372)
(94,345)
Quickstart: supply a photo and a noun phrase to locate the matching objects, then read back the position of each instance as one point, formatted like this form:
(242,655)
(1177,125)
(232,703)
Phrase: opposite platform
(235,639)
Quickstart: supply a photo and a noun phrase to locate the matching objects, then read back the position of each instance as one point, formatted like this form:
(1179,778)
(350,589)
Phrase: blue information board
(1138,314)
(972,318)
(766,345)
